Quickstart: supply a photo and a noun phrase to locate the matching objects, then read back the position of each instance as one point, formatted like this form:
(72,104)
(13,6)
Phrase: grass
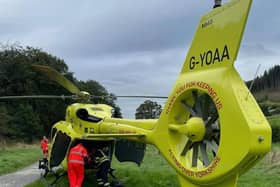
(156,172)
(17,156)
(266,173)
(153,172)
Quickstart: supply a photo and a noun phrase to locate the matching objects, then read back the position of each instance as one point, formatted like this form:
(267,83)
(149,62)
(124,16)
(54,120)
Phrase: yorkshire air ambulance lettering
(209,57)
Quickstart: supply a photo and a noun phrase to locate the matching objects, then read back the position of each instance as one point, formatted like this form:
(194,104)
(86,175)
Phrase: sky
(132,47)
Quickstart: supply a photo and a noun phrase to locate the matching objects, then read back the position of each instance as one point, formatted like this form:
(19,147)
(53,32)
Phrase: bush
(275,126)
(275,134)
(270,108)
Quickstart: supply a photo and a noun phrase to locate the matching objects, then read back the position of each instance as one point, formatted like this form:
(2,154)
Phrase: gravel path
(21,177)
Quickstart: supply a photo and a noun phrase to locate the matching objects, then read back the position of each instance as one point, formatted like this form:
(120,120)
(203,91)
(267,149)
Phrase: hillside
(267,86)
(266,89)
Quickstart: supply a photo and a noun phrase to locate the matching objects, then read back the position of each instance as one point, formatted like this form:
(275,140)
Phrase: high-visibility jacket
(100,157)
(44,144)
(77,154)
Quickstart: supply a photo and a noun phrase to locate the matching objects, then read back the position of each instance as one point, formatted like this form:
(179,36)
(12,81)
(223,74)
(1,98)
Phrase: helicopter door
(59,148)
(130,151)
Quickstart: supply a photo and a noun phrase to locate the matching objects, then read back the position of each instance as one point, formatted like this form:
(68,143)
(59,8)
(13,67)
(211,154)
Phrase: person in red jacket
(44,146)
(76,162)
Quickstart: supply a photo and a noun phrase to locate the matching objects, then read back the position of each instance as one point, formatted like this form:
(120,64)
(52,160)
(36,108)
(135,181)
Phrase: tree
(148,110)
(17,77)
(5,118)
(270,80)
(26,123)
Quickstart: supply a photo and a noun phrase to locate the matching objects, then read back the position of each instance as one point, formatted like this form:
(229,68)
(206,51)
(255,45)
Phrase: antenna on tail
(252,83)
(218,3)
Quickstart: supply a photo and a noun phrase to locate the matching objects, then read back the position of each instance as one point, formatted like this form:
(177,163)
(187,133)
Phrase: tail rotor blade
(195,155)
(205,158)
(186,148)
(197,103)
(206,102)
(189,108)
(212,145)
(212,119)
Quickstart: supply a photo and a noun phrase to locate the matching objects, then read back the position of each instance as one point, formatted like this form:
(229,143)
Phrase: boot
(100,183)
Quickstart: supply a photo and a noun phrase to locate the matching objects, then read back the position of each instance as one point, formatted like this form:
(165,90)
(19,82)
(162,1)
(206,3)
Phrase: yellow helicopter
(211,129)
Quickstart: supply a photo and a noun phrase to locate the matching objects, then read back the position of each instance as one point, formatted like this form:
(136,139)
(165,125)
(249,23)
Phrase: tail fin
(218,36)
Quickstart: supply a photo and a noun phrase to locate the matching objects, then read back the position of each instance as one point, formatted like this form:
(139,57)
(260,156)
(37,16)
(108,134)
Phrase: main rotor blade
(36,97)
(128,96)
(57,77)
(70,97)
(142,96)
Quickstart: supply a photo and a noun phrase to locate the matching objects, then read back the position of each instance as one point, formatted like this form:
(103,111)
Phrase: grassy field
(17,156)
(153,172)
(266,173)
(156,172)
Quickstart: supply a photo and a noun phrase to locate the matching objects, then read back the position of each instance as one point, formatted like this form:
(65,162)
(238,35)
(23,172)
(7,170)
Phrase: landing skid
(54,182)
(43,164)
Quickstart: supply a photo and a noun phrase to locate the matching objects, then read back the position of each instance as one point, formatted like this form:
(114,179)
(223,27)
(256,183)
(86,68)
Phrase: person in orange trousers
(76,162)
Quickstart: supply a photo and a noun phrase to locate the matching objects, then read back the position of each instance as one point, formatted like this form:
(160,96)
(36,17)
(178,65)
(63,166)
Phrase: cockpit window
(84,115)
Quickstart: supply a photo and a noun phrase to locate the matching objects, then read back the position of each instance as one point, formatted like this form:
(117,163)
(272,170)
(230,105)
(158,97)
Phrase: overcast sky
(132,47)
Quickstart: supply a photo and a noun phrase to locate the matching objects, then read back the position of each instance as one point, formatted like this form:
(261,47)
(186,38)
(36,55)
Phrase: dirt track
(21,177)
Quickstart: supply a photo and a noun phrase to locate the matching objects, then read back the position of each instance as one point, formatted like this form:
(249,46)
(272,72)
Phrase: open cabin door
(59,148)
(130,151)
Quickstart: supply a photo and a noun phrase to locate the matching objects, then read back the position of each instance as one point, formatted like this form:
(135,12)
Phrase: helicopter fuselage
(93,125)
